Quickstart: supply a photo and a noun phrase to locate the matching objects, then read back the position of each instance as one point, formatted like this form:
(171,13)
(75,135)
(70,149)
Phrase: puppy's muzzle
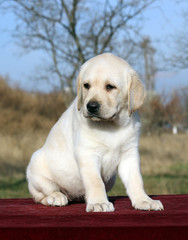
(93,107)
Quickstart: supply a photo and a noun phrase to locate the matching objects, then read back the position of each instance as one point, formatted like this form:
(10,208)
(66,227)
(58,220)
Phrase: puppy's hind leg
(57,199)
(48,194)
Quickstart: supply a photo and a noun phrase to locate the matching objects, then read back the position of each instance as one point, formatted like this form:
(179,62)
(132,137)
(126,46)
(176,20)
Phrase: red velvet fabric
(23,219)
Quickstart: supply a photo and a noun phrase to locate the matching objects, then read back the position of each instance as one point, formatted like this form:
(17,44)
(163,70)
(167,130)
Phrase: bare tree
(179,58)
(71,31)
(174,110)
(149,64)
(153,115)
(179,40)
(183,96)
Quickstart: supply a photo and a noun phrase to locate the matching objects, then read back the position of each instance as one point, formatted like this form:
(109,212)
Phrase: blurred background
(43,43)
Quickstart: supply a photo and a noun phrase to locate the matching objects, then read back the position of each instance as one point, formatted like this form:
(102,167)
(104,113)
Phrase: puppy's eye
(86,86)
(109,87)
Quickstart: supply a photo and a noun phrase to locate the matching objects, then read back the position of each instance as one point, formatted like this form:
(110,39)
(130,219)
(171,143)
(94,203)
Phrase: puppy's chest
(110,161)
(111,147)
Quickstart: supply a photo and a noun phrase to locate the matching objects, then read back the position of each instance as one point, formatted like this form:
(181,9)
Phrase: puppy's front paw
(100,207)
(148,204)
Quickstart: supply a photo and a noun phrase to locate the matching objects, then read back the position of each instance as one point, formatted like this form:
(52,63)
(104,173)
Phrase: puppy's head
(106,86)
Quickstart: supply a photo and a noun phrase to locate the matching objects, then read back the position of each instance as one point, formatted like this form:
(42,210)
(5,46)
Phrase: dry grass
(16,149)
(15,153)
(21,110)
(164,163)
(160,154)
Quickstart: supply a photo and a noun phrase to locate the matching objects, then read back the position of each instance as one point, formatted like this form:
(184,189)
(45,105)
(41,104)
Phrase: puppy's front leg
(95,192)
(129,171)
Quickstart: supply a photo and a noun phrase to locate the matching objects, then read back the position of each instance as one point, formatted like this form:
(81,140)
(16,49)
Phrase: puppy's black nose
(93,107)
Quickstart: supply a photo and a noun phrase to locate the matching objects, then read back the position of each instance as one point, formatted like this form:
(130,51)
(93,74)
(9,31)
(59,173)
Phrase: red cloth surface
(24,219)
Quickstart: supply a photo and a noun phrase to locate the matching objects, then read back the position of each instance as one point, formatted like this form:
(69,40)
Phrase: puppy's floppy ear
(79,92)
(136,93)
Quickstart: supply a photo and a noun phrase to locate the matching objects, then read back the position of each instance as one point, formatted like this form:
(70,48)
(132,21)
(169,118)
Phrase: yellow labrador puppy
(96,137)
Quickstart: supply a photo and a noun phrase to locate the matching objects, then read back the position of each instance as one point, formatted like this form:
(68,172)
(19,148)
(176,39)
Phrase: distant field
(164,163)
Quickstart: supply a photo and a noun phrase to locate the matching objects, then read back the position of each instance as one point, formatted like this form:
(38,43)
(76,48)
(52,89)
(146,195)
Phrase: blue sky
(162,19)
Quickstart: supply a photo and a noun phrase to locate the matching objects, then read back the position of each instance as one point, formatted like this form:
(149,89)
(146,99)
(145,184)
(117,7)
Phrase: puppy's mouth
(96,117)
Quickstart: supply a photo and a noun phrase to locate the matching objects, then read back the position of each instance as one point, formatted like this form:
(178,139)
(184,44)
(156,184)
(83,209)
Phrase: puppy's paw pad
(100,207)
(148,204)
(57,199)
